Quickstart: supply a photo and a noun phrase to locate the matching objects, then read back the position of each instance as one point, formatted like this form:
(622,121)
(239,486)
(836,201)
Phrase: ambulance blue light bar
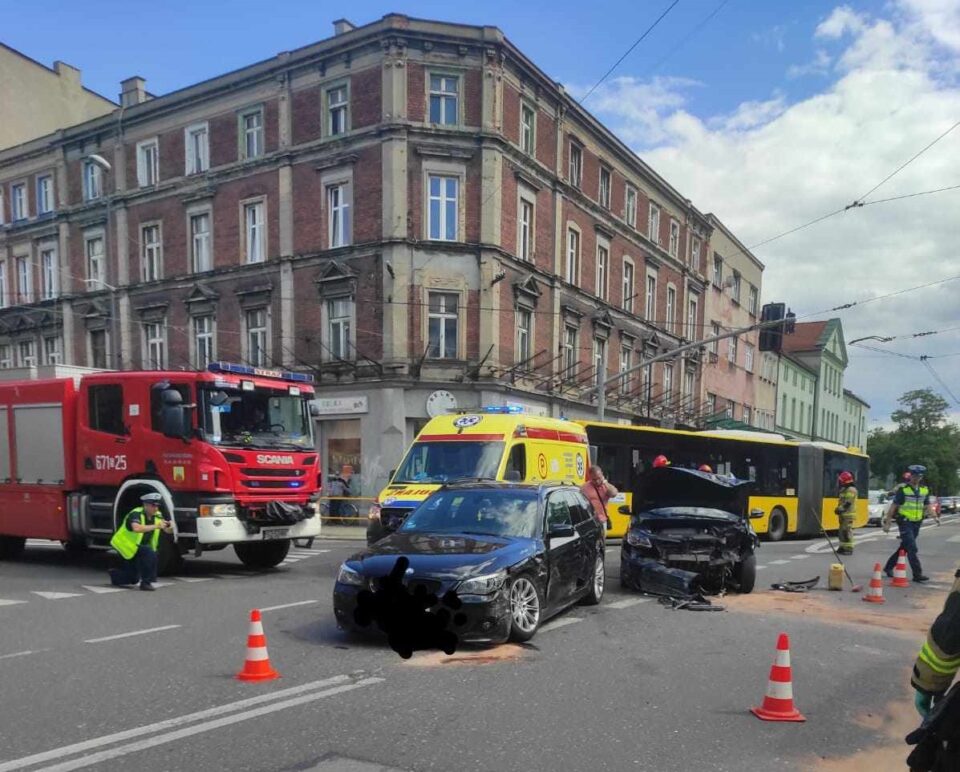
(235,369)
(502,409)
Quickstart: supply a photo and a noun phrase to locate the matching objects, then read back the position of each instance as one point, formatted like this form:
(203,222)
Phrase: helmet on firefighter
(845,478)
(661,460)
(705,468)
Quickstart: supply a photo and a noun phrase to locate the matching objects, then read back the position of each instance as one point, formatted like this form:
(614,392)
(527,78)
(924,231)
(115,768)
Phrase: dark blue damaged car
(514,553)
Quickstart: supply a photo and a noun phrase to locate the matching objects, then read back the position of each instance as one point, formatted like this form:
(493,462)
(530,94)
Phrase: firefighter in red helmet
(846,511)
(661,460)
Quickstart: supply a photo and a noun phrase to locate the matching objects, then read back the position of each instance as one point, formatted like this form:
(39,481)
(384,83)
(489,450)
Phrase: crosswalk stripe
(779,562)
(100,589)
(954,539)
(5,602)
(191,578)
(57,595)
(560,623)
(799,557)
(628,602)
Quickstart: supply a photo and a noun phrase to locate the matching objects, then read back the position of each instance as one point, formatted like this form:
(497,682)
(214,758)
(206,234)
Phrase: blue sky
(770,115)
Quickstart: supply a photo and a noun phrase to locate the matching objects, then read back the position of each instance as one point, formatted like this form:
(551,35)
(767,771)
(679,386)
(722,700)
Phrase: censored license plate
(275,533)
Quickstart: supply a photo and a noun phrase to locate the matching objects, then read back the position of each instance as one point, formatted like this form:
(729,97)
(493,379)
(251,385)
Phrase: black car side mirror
(623,509)
(560,530)
(756,513)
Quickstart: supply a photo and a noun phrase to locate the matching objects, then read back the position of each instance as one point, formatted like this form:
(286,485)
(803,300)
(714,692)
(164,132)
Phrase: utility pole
(601,387)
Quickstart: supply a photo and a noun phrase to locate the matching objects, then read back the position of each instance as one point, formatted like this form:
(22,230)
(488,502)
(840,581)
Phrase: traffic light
(771,338)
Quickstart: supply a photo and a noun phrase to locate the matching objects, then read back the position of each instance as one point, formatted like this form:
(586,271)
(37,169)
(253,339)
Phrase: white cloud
(819,65)
(772,38)
(770,165)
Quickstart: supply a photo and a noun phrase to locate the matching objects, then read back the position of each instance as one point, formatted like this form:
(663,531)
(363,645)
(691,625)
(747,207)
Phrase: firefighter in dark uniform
(846,511)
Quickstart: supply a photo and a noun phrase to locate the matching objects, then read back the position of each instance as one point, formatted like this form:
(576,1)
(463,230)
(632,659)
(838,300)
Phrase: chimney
(67,73)
(342,26)
(133,91)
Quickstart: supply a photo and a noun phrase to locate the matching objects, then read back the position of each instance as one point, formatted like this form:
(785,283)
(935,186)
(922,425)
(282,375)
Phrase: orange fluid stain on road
(508,652)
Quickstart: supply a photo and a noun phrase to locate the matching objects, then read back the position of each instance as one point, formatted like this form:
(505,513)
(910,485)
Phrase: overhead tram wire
(939,380)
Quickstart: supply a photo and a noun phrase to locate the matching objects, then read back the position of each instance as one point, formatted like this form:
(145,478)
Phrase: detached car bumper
(487,617)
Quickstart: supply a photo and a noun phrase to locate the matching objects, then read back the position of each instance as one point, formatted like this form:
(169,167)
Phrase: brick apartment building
(410,210)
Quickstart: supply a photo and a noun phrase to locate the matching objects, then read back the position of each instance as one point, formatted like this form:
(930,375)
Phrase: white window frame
(735,288)
(338,109)
(689,380)
(154,344)
(528,131)
(628,285)
(19,203)
(524,342)
(29,359)
(444,315)
(444,97)
(714,332)
(196,154)
(256,132)
(255,241)
(151,252)
(526,224)
(340,327)
(653,223)
(605,191)
(650,297)
(198,237)
(674,244)
(748,357)
(570,347)
(49,271)
(339,201)
(444,201)
(23,272)
(4,298)
(732,350)
(599,359)
(256,339)
(670,317)
(148,163)
(668,379)
(107,345)
(575,169)
(717,270)
(45,196)
(204,340)
(92,181)
(693,308)
(626,354)
(696,246)
(2,217)
(753,300)
(572,262)
(55,356)
(630,199)
(603,269)
(748,415)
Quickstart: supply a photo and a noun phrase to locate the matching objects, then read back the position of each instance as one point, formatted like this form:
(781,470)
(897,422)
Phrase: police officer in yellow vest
(912,502)
(140,556)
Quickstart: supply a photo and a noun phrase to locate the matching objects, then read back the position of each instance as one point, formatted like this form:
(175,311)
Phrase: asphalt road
(92,678)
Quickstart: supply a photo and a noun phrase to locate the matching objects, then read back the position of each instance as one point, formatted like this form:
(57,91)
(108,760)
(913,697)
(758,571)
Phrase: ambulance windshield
(438,462)
(259,418)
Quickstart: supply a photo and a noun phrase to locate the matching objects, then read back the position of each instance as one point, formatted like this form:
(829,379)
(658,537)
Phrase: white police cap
(151,498)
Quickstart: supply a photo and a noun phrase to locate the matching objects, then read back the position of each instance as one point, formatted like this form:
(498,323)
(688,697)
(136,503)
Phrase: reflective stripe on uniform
(938,664)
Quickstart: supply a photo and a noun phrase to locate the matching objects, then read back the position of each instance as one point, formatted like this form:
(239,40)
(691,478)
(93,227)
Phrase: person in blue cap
(139,554)
(910,505)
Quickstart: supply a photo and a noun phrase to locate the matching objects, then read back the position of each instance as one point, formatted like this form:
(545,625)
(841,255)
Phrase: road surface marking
(628,602)
(556,625)
(290,560)
(130,635)
(191,578)
(17,654)
(954,538)
(99,742)
(227,576)
(799,557)
(4,602)
(57,595)
(101,590)
(760,568)
(778,562)
(289,605)
(302,553)
(158,585)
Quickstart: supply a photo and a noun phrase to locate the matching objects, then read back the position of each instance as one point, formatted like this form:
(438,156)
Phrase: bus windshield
(439,462)
(262,418)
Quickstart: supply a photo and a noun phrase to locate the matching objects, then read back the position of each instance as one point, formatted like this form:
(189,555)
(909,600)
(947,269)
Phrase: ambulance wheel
(777,525)
(11,547)
(169,559)
(265,554)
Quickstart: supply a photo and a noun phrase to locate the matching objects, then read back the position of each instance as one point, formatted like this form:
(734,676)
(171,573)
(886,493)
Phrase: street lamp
(104,165)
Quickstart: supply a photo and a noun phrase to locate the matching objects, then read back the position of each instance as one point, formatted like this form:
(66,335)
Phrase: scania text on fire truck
(230,450)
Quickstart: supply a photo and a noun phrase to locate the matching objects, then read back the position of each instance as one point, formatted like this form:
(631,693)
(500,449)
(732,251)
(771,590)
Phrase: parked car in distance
(515,554)
(877,504)
(695,525)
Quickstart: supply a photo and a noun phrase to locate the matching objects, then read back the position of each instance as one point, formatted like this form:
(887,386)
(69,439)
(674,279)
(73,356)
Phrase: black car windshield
(437,462)
(680,512)
(482,512)
(259,418)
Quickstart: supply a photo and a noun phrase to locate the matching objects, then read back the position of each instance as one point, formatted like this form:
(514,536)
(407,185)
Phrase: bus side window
(516,468)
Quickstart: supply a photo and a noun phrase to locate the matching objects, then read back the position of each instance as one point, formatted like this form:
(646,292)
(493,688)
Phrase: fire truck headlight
(218,510)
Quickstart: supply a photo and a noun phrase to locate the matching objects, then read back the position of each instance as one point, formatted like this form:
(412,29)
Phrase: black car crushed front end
(689,533)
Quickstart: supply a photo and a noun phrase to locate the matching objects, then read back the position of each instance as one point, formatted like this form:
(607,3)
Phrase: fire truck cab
(230,450)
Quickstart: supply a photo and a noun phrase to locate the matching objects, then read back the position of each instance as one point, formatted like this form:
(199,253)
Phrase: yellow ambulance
(492,443)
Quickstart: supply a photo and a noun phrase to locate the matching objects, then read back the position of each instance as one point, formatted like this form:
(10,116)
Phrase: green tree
(922,411)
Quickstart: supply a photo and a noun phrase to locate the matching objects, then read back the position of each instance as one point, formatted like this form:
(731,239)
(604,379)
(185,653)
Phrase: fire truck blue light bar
(235,369)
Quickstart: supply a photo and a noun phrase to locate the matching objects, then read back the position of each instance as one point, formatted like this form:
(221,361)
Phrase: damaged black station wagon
(689,533)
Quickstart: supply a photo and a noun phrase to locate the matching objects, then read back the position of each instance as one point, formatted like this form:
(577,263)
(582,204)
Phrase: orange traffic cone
(257,667)
(900,571)
(778,701)
(875,590)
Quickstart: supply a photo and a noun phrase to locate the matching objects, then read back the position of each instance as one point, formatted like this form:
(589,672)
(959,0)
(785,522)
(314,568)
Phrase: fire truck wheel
(169,559)
(11,547)
(75,546)
(266,554)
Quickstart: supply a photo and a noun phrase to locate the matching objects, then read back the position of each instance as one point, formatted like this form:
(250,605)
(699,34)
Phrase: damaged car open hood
(672,488)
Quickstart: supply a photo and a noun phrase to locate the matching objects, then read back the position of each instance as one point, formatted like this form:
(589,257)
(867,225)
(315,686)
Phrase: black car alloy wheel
(525,608)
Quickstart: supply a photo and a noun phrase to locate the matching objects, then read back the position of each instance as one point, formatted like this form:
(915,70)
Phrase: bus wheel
(11,547)
(777,525)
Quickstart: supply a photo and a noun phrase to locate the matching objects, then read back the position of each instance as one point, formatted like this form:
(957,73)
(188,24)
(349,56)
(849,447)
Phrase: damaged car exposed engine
(689,533)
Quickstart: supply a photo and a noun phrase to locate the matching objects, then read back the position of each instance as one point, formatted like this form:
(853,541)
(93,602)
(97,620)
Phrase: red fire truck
(230,450)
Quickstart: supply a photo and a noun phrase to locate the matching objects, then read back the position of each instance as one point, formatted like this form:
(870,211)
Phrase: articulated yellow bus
(796,482)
